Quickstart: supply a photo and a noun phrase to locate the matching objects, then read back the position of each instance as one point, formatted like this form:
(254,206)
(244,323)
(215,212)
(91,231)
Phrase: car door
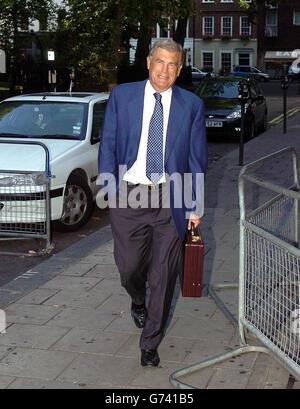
(258,102)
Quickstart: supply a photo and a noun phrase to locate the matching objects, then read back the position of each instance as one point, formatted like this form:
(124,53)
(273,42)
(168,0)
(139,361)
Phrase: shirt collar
(151,90)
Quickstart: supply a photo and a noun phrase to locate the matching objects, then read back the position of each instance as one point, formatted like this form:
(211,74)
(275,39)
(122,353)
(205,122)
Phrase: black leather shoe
(149,357)
(139,314)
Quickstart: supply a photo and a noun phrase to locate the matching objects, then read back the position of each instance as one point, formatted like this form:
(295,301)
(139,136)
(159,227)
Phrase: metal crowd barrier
(25,212)
(269,272)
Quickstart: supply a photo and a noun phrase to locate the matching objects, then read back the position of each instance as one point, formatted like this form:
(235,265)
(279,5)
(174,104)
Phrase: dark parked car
(223,107)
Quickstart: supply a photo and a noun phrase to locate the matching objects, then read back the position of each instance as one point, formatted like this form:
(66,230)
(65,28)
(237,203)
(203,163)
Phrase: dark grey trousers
(148,251)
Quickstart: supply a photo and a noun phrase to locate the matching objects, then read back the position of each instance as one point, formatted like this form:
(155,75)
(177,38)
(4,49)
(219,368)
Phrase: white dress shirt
(137,173)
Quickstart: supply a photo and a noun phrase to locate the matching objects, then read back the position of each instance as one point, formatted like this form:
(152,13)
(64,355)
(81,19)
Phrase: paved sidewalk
(69,324)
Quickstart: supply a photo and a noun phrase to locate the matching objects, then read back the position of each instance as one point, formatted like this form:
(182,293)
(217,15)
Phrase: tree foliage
(100,30)
(15,14)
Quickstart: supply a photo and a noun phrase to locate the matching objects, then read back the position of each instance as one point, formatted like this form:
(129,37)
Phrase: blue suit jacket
(186,149)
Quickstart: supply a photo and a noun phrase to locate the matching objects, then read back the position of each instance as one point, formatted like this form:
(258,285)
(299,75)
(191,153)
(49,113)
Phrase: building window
(245,27)
(208,26)
(244,59)
(208,60)
(226,1)
(271,23)
(226,28)
(296,18)
(226,61)
(208,1)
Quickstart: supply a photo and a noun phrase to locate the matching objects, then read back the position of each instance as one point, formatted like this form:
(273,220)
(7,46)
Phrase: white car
(69,125)
(197,74)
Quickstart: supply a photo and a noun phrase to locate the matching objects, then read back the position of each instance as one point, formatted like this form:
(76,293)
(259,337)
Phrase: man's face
(164,67)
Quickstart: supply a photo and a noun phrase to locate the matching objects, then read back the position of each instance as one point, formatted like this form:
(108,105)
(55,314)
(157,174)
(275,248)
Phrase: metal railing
(269,272)
(25,211)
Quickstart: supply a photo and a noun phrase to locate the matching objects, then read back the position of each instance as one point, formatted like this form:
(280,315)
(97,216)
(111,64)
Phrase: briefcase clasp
(195,238)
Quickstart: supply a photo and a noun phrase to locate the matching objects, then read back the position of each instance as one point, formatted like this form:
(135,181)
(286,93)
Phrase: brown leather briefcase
(192,277)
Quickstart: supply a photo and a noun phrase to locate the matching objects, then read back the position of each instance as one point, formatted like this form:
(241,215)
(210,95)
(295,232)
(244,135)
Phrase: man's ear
(148,62)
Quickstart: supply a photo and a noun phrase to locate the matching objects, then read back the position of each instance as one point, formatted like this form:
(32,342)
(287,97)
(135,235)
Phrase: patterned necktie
(154,161)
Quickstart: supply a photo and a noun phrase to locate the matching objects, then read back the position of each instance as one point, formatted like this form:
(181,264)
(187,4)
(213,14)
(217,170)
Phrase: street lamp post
(243,87)
(284,86)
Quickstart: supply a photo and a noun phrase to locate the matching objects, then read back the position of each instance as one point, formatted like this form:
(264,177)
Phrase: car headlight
(235,114)
(36,179)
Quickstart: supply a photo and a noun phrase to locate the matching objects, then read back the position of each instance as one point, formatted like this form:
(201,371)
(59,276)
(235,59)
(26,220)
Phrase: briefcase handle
(194,236)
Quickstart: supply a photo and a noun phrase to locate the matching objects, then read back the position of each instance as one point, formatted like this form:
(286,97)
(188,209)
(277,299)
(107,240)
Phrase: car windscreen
(43,119)
(218,89)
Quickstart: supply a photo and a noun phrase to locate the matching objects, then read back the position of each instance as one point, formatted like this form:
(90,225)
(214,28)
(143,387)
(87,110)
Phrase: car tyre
(77,207)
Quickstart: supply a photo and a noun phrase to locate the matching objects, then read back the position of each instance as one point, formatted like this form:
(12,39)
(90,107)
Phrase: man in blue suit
(154,146)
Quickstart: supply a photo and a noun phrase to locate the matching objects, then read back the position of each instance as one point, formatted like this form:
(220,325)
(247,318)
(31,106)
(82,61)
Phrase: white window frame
(213,26)
(226,1)
(222,25)
(231,58)
(245,52)
(208,1)
(249,25)
(294,18)
(187,33)
(213,57)
(274,27)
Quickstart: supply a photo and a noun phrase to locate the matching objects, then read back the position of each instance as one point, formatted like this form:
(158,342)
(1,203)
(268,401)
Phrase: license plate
(214,124)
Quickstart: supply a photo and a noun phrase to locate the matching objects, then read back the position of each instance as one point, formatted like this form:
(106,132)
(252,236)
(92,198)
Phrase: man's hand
(195,220)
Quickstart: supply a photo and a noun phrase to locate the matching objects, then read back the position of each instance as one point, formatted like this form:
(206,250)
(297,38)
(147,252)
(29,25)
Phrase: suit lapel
(135,119)
(176,120)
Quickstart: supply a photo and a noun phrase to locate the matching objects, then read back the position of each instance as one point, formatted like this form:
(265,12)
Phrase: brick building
(217,38)
(222,36)
(278,35)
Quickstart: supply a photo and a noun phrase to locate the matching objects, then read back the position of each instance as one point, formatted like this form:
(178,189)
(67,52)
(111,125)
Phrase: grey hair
(169,45)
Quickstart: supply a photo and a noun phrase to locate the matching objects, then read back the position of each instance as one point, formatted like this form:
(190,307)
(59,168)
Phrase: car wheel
(77,207)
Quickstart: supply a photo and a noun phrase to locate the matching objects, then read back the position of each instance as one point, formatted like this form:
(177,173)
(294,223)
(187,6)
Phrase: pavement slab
(35,363)
(32,336)
(91,341)
(105,370)
(5,381)
(30,314)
